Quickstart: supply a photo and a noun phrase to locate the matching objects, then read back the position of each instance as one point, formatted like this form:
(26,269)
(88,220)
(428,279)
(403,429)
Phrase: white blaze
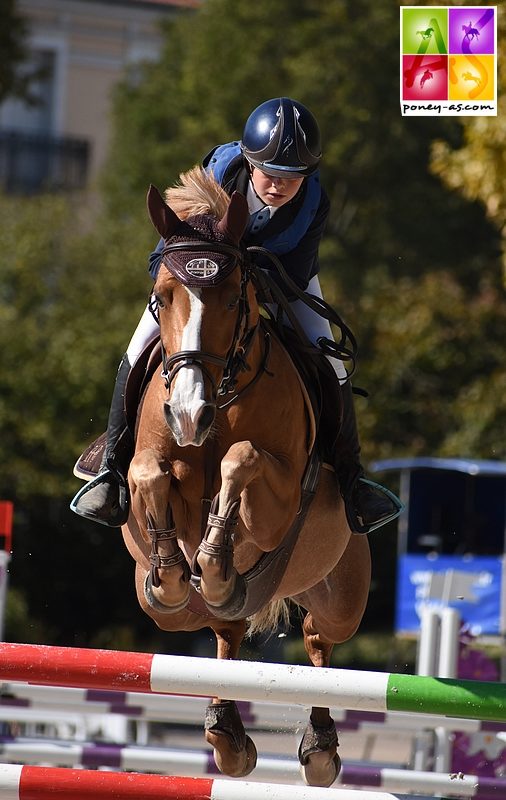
(187,396)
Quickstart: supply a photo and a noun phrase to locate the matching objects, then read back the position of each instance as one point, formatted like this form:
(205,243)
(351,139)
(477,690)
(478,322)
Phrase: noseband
(207,273)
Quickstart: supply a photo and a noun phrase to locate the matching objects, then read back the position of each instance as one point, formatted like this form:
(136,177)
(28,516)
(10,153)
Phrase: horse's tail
(272,616)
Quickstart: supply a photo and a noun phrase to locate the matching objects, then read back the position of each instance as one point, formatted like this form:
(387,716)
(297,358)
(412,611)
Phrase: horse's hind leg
(166,585)
(234,752)
(335,608)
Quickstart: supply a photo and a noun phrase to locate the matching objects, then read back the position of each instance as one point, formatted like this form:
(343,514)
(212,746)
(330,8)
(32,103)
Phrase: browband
(207,247)
(212,262)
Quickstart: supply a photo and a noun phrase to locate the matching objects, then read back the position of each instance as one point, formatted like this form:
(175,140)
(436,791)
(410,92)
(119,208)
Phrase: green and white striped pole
(251,680)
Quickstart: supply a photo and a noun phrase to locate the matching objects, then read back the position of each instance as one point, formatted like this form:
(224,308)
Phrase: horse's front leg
(335,608)
(234,752)
(166,585)
(266,492)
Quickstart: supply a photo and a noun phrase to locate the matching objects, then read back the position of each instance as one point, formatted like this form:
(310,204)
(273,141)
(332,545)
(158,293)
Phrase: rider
(275,166)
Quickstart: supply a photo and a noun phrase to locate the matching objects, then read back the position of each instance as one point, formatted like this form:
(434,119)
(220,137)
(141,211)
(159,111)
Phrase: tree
(58,287)
(434,367)
(69,299)
(477,169)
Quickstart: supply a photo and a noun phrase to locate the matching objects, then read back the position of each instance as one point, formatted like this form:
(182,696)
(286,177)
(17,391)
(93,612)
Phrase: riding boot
(105,498)
(368,505)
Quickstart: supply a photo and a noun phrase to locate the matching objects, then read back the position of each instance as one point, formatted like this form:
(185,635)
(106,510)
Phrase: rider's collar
(255,203)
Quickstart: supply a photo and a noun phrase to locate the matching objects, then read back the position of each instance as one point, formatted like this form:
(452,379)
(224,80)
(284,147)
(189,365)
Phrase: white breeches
(144,333)
(315,326)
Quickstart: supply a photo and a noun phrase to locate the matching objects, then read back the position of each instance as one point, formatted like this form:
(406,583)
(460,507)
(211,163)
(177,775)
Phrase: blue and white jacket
(293,233)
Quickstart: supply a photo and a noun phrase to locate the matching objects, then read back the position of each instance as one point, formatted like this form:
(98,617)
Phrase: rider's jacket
(293,233)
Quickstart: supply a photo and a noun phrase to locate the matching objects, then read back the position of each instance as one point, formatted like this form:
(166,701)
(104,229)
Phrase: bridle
(236,359)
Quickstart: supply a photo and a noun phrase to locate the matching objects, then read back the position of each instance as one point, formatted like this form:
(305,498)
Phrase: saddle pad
(88,464)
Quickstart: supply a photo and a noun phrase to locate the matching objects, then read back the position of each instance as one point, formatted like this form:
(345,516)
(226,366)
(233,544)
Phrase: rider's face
(275,191)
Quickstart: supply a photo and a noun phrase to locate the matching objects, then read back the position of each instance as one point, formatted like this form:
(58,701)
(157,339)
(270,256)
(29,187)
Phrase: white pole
(449,643)
(426,665)
(429,638)
(447,668)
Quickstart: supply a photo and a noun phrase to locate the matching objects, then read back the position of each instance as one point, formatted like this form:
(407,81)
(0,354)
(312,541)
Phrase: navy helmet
(281,137)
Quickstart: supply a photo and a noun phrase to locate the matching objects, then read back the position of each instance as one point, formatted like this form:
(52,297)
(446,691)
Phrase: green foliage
(433,362)
(478,168)
(342,60)
(20,623)
(68,304)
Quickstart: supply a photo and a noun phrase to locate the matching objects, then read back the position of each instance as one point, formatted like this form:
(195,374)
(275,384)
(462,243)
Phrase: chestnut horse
(228,419)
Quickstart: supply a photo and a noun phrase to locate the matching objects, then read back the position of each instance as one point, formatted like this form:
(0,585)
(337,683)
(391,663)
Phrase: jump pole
(16,700)
(253,681)
(200,762)
(45,783)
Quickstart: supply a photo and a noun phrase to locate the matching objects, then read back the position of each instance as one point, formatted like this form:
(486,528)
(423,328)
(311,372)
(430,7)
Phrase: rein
(268,291)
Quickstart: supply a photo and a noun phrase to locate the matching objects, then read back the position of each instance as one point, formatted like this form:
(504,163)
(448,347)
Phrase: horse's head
(201,294)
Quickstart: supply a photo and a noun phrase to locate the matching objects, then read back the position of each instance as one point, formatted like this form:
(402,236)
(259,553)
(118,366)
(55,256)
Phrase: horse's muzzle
(190,429)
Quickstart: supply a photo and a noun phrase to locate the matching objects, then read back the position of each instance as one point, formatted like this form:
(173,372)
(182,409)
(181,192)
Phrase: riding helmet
(282,137)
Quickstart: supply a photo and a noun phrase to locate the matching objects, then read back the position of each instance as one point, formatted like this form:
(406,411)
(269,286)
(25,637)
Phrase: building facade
(81,48)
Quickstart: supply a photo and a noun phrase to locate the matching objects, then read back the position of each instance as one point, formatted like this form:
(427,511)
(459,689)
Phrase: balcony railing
(31,163)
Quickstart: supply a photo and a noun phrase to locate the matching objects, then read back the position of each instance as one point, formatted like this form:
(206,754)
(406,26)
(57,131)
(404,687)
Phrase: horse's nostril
(206,417)
(169,416)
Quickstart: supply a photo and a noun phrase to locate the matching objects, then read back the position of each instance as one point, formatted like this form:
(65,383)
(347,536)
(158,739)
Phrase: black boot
(105,498)
(368,505)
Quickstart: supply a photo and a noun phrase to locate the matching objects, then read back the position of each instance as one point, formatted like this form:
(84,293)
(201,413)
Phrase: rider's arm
(155,259)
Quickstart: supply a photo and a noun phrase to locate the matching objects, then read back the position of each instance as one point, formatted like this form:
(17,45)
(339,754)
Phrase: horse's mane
(197,193)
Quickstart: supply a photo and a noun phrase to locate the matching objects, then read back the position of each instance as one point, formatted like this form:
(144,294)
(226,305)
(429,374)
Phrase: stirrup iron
(356,525)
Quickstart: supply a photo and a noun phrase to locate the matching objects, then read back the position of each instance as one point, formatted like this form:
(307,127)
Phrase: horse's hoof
(235,754)
(245,761)
(233,608)
(160,607)
(319,772)
(320,763)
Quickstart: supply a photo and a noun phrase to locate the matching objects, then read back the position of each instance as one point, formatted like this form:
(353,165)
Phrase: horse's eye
(159,301)
(233,302)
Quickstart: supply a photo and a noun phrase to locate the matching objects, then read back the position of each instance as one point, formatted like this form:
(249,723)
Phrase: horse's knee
(149,480)
(147,470)
(240,463)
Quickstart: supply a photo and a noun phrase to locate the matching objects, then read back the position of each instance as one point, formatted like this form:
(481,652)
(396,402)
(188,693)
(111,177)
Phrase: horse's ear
(161,215)
(236,218)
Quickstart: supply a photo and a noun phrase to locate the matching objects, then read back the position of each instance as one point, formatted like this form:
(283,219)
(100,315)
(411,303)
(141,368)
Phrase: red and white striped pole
(46,783)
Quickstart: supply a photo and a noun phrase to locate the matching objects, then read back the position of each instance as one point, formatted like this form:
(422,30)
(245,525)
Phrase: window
(33,158)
